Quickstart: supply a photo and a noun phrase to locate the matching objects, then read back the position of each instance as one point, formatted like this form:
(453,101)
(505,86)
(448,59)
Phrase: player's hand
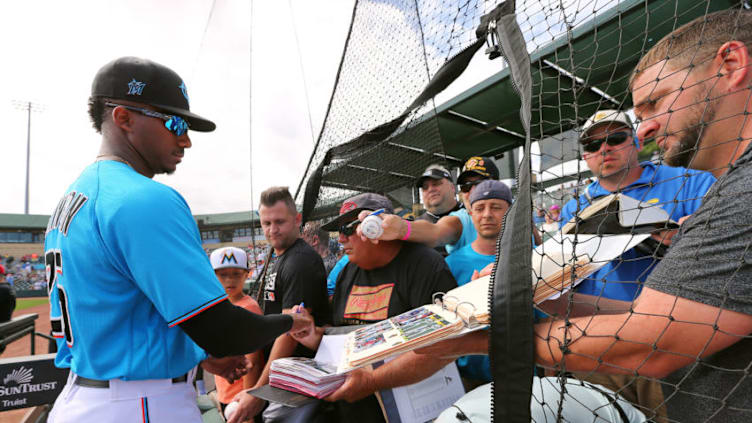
(248,407)
(474,343)
(394,227)
(231,368)
(358,385)
(302,321)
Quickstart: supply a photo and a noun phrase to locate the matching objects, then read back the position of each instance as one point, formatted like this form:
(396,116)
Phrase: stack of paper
(305,376)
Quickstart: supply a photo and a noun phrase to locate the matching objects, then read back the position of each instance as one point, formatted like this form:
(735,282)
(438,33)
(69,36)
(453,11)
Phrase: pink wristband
(407,234)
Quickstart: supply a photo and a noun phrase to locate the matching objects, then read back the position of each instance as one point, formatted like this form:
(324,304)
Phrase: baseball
(230,409)
(371,227)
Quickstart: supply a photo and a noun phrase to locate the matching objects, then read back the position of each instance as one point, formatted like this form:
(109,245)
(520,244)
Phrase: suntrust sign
(30,381)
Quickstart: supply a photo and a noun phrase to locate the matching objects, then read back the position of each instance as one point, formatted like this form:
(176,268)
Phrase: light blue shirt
(331,279)
(462,263)
(128,267)
(677,190)
(468,231)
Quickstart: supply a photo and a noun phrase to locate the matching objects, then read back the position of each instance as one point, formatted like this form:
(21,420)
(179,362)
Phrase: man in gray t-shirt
(691,324)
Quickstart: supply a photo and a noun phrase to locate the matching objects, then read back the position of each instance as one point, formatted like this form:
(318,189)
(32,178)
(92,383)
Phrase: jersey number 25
(53,260)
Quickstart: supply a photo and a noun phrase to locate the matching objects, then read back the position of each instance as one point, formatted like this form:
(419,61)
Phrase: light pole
(29,107)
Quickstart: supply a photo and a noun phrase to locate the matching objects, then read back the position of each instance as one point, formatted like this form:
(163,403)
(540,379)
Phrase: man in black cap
(439,194)
(134,302)
(380,281)
(453,231)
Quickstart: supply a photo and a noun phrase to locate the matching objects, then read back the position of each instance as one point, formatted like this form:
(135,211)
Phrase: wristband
(407,234)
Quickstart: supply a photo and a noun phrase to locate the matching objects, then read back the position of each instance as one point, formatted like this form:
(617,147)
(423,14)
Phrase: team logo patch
(229,258)
(135,87)
(369,302)
(477,164)
(347,206)
(184,90)
(269,296)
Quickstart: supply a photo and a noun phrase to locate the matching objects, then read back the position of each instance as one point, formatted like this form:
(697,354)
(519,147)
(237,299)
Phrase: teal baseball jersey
(125,266)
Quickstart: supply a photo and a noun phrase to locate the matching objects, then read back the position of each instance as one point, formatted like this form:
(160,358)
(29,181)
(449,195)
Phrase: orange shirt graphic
(369,302)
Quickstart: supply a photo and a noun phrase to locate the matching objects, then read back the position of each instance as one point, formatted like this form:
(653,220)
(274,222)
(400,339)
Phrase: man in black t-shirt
(380,281)
(295,275)
(439,194)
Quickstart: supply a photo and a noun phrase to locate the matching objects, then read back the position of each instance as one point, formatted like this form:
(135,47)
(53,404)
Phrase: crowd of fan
(24,273)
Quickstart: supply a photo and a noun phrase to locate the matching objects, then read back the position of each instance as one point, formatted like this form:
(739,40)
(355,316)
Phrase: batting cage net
(622,127)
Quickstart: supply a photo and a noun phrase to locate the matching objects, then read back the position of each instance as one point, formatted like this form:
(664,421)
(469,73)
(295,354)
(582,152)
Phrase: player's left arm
(662,334)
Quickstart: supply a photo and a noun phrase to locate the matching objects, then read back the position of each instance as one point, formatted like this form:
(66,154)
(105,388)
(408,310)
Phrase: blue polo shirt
(677,190)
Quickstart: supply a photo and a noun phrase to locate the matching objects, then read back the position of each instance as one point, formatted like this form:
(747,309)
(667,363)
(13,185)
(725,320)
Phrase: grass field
(22,303)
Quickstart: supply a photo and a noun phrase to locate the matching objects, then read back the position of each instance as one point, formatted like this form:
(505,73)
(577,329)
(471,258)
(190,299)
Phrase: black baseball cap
(354,205)
(490,189)
(483,166)
(146,82)
(433,172)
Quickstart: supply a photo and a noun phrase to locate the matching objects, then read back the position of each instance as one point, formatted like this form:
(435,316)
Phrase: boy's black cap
(146,82)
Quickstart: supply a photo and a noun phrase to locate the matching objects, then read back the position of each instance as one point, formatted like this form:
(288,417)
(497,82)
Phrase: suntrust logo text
(19,382)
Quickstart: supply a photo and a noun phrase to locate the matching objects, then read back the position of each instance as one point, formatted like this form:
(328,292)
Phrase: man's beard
(683,152)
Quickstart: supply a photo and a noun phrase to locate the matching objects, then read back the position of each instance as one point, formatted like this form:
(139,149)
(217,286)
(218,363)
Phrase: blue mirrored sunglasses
(174,124)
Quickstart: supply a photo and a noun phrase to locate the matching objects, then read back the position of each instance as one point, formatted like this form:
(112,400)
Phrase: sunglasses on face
(467,186)
(616,138)
(174,124)
(350,228)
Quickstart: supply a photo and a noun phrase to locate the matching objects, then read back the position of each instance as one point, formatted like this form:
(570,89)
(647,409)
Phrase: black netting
(656,328)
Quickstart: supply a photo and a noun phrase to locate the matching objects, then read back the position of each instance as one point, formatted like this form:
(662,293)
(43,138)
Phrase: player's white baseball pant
(139,401)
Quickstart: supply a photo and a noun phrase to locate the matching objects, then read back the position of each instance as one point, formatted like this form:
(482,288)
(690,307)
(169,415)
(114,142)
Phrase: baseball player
(134,302)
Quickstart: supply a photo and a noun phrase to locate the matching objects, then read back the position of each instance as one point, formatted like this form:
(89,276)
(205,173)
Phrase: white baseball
(371,227)
(230,409)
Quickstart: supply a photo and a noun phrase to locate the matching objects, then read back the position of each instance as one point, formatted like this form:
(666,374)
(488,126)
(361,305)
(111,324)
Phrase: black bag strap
(259,282)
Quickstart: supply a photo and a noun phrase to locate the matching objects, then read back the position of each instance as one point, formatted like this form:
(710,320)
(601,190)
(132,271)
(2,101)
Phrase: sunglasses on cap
(467,186)
(174,124)
(613,139)
(350,228)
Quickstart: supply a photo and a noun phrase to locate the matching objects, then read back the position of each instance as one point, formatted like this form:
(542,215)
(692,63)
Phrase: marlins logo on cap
(229,257)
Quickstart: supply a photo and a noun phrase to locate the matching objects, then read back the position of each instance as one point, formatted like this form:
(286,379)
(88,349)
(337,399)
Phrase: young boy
(231,267)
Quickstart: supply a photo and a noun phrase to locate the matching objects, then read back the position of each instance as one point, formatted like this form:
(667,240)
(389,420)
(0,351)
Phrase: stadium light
(29,107)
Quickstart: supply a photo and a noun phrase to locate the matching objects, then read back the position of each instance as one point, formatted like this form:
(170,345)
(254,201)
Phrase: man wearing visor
(453,231)
(439,194)
(609,147)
